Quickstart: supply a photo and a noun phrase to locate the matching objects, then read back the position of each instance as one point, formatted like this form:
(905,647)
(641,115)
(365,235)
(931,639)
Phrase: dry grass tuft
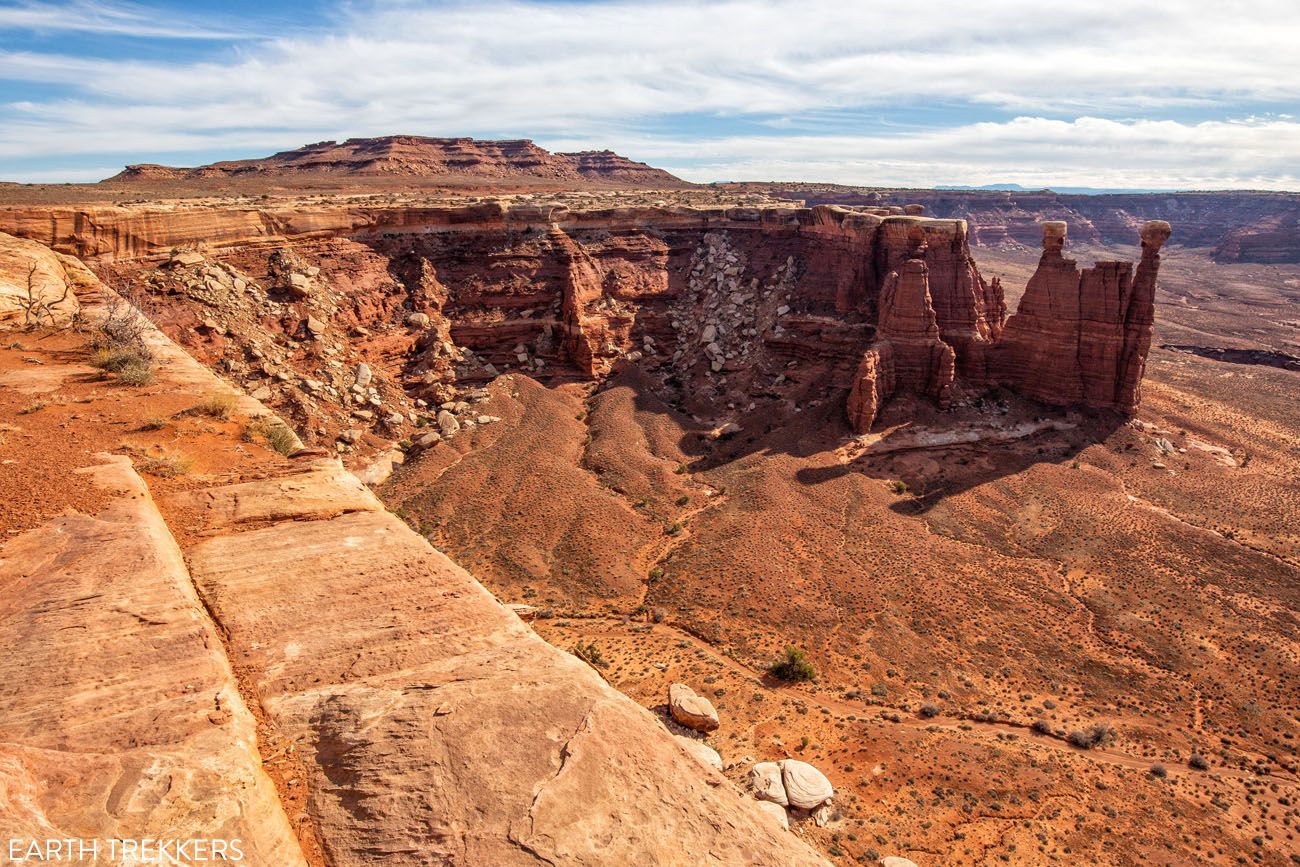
(218,404)
(165,466)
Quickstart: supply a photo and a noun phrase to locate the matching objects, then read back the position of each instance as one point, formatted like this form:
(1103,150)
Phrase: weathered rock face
(205,646)
(723,306)
(38,287)
(922,362)
(968,310)
(1082,336)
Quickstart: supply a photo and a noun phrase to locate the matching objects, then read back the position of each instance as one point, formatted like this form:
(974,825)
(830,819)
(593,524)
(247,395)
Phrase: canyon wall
(733,310)
(258,652)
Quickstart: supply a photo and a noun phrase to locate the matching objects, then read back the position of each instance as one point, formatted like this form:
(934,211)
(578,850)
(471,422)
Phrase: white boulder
(765,777)
(805,786)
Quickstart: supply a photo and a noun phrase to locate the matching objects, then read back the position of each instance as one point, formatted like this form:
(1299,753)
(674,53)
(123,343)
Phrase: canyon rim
(648,434)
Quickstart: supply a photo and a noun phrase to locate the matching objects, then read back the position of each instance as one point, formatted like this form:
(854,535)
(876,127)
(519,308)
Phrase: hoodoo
(1082,337)
(1077,338)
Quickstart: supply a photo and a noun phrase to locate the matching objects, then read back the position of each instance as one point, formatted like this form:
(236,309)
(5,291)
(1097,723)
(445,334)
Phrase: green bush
(792,666)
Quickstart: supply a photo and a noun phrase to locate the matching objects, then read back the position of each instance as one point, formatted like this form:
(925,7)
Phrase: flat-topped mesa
(1082,337)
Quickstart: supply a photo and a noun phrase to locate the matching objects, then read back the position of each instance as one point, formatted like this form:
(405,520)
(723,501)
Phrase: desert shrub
(590,654)
(656,573)
(154,422)
(34,307)
(683,500)
(929,710)
(792,666)
(898,486)
(217,404)
(164,466)
(118,345)
(674,528)
(121,327)
(129,365)
(1197,762)
(1042,726)
(276,433)
(1159,770)
(1086,739)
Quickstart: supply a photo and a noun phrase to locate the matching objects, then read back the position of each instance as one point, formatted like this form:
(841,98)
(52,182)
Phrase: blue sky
(1187,95)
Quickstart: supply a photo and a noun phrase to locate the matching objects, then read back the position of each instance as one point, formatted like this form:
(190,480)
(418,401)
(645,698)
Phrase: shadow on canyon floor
(924,453)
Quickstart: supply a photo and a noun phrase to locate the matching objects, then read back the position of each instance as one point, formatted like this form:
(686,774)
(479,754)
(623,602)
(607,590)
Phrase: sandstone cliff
(770,306)
(260,651)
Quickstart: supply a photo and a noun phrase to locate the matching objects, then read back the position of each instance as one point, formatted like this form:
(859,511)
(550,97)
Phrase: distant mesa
(418,157)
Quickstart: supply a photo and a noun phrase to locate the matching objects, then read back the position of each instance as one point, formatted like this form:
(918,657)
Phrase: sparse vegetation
(1094,736)
(1159,771)
(898,486)
(1197,762)
(792,666)
(218,404)
(154,422)
(276,434)
(656,573)
(118,346)
(929,710)
(35,308)
(165,466)
(683,500)
(674,528)
(31,408)
(590,654)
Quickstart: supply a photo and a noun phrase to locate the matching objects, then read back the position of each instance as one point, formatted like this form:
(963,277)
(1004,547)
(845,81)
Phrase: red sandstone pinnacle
(1082,337)
(908,352)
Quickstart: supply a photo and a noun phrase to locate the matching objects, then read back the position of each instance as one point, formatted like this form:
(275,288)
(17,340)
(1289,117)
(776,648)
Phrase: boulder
(776,811)
(186,257)
(806,787)
(362,375)
(298,285)
(418,320)
(429,440)
(447,423)
(691,710)
(765,778)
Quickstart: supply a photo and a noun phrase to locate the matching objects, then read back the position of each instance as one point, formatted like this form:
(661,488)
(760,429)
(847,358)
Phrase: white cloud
(1033,151)
(117,19)
(597,73)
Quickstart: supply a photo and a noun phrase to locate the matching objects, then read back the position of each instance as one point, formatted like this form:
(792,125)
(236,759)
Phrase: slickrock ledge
(119,715)
(430,724)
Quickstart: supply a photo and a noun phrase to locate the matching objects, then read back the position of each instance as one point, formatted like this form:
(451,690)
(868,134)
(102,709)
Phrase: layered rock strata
(1078,337)
(1082,336)
(724,305)
(426,722)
